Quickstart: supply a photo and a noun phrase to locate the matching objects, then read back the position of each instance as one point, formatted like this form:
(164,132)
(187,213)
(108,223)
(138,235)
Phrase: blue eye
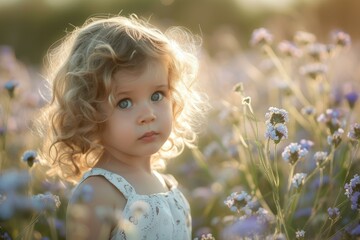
(125,103)
(157,96)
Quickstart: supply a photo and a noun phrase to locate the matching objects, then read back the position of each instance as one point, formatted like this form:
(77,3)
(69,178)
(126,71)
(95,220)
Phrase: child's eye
(124,103)
(157,96)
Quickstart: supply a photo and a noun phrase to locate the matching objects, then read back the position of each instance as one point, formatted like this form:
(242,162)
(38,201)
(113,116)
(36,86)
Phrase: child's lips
(148,135)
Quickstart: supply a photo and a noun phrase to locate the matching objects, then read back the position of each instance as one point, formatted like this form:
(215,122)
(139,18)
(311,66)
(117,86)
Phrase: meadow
(278,157)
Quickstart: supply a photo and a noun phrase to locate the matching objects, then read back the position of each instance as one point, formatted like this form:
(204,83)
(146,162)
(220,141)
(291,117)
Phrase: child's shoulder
(96,190)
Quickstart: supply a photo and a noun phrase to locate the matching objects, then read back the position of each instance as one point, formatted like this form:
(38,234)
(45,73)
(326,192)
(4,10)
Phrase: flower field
(277,159)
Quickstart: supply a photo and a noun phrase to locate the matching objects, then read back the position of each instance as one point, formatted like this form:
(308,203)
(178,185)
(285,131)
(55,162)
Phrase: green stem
(29,227)
(291,174)
(285,75)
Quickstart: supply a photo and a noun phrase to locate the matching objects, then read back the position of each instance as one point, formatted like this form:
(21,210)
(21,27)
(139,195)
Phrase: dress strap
(169,180)
(118,181)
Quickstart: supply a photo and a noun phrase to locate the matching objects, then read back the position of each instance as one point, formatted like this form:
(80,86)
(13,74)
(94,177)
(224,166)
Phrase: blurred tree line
(31,26)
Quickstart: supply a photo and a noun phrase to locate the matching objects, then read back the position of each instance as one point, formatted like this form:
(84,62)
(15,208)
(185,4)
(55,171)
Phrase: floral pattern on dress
(160,216)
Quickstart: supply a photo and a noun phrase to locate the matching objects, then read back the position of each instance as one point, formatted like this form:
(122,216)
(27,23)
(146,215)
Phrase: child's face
(142,119)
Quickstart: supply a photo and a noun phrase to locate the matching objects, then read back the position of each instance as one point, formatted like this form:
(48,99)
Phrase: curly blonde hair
(80,73)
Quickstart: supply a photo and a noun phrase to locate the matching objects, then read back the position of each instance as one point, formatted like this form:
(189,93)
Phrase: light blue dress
(162,216)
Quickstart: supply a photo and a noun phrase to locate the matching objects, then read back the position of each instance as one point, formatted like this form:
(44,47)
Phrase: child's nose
(147,114)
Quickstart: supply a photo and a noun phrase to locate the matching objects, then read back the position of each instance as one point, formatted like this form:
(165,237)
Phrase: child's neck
(124,164)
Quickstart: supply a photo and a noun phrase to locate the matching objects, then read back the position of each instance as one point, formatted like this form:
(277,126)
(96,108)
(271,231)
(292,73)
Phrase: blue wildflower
(309,111)
(354,133)
(341,38)
(208,236)
(276,115)
(244,228)
(298,180)
(12,181)
(352,191)
(289,49)
(10,87)
(263,215)
(45,202)
(5,236)
(317,51)
(85,194)
(313,70)
(300,234)
(261,36)
(334,213)
(277,132)
(353,186)
(237,202)
(306,144)
(336,138)
(30,157)
(351,98)
(355,231)
(320,158)
(293,152)
(332,118)
(355,201)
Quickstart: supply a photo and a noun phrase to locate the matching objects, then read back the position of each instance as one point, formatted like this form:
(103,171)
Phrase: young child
(122,102)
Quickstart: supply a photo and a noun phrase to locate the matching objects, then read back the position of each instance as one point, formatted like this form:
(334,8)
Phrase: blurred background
(28,28)
(31,26)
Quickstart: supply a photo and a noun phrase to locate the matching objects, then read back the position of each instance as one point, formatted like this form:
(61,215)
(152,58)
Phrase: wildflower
(298,180)
(10,87)
(13,181)
(238,201)
(304,38)
(353,186)
(336,138)
(354,133)
(351,98)
(355,201)
(45,202)
(275,124)
(300,234)
(261,36)
(263,216)
(29,157)
(313,70)
(248,228)
(289,49)
(332,119)
(310,111)
(334,213)
(208,236)
(276,115)
(276,133)
(317,51)
(341,38)
(355,231)
(5,236)
(320,158)
(85,194)
(352,191)
(293,152)
(306,144)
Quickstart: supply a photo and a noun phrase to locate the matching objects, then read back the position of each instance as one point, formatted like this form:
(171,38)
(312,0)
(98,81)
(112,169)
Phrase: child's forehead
(154,71)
